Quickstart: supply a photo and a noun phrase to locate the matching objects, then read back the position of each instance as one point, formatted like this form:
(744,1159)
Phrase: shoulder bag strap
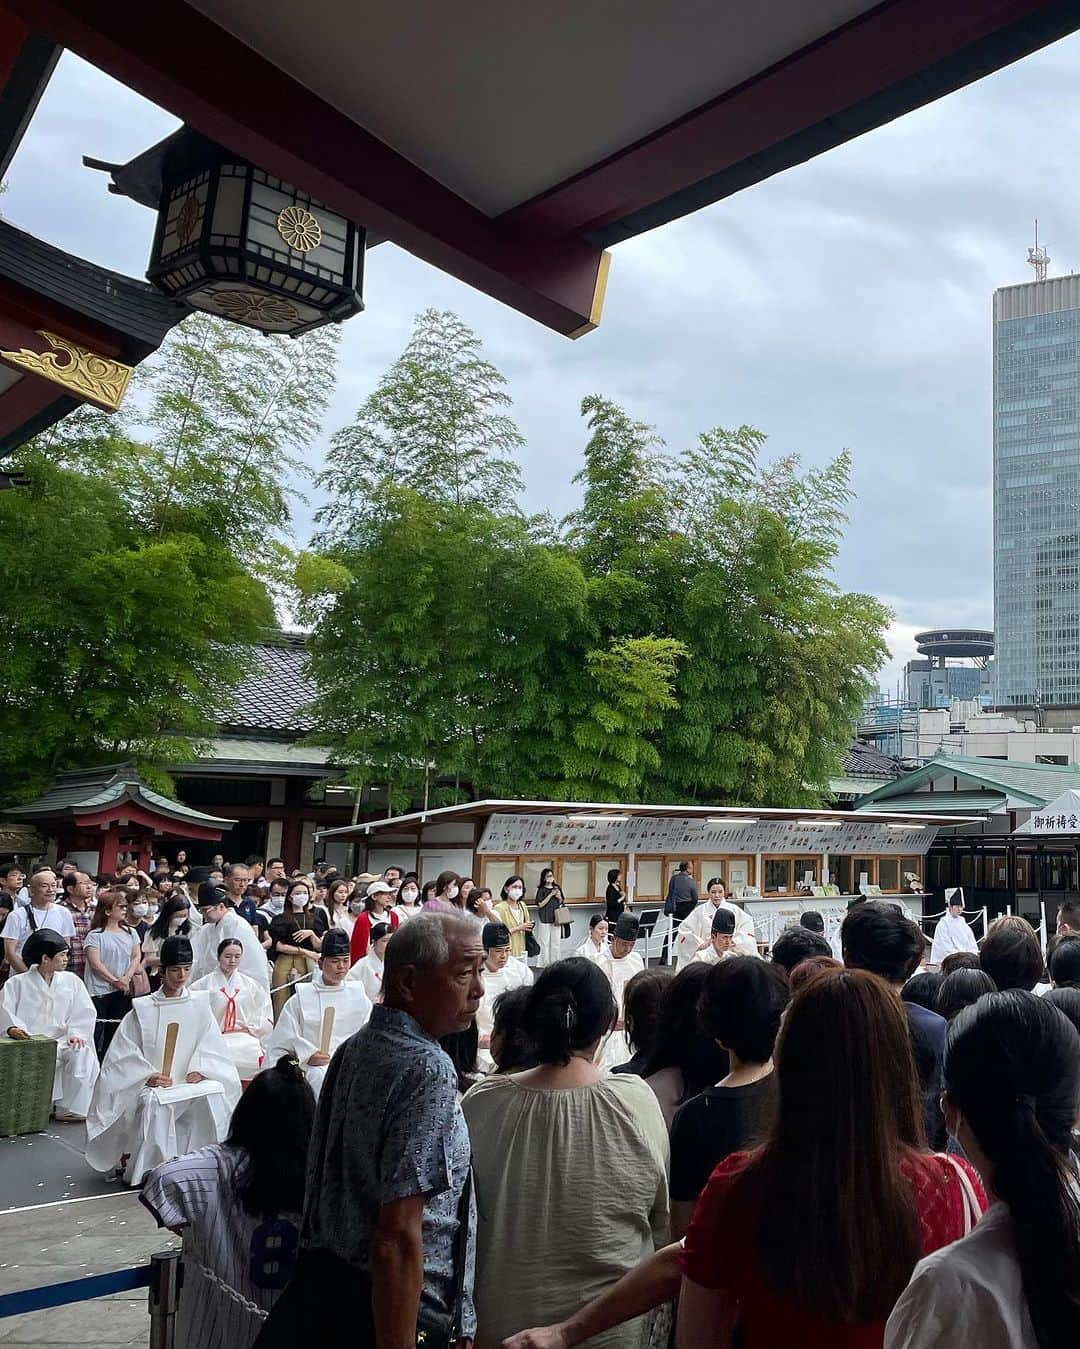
(30,917)
(968,1198)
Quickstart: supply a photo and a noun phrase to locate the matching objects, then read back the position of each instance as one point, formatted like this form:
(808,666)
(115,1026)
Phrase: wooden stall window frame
(889,857)
(789,860)
(651,900)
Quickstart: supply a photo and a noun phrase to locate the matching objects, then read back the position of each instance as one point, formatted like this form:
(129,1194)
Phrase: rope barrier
(73,1290)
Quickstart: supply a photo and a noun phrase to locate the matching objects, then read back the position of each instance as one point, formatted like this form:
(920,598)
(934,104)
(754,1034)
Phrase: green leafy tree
(435,422)
(149,548)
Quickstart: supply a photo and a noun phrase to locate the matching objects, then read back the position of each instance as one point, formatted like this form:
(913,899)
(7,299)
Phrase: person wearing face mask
(447,896)
(377,909)
(514,913)
(296,937)
(274,903)
(142,910)
(500,974)
(408,905)
(173,920)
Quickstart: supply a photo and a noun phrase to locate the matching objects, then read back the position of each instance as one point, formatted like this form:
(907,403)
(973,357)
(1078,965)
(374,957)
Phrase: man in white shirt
(219,921)
(41,912)
(721,940)
(322,1014)
(620,969)
(48,1000)
(952,932)
(499,974)
(695,931)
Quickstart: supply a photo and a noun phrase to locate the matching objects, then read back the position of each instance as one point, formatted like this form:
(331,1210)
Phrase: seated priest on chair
(368,970)
(168,1083)
(623,964)
(49,1000)
(241,1006)
(322,1014)
(721,939)
(221,920)
(695,931)
(499,974)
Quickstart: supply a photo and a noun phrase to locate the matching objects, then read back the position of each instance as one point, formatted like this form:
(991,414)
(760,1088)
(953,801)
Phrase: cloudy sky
(845,303)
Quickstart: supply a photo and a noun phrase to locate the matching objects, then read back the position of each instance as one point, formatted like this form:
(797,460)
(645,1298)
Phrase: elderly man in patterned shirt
(390,1154)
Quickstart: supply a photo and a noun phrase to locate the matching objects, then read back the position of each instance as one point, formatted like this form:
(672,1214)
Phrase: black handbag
(532,946)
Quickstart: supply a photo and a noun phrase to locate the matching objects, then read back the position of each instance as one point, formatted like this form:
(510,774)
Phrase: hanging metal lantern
(239,243)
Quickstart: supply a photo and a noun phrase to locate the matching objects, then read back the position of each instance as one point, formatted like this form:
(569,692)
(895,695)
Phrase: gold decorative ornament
(299,228)
(248,306)
(98,379)
(186,220)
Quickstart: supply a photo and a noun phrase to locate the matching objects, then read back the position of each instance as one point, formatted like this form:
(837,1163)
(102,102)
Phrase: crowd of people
(394,1088)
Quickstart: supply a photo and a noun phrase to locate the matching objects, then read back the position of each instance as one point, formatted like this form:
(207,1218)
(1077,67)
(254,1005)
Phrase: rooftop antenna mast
(1038,257)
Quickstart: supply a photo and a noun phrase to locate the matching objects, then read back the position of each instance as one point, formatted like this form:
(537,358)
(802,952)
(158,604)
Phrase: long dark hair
(511,1048)
(641,1006)
(838,1230)
(159,928)
(681,1041)
(570,1007)
(274,1180)
(1012,1068)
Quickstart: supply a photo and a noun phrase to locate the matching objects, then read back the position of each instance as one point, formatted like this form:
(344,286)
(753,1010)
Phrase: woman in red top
(377,909)
(810,1239)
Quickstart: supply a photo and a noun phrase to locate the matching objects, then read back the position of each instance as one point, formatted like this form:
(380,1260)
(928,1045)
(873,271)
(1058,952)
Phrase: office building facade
(1037,493)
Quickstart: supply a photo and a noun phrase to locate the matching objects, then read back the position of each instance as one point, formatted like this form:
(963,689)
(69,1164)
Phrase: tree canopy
(679,637)
(139,564)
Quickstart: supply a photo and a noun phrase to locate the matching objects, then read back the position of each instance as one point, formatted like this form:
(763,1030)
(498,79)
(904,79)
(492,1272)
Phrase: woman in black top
(741,1005)
(295,939)
(613,896)
(549,897)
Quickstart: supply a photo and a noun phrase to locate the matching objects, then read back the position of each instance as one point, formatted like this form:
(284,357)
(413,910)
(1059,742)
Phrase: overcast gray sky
(845,303)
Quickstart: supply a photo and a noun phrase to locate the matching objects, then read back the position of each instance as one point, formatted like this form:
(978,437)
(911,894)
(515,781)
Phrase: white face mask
(276,904)
(515,892)
(408,895)
(298,903)
(140,910)
(177,920)
(451,892)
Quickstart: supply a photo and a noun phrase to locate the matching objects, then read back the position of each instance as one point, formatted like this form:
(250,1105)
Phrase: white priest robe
(299,1027)
(239,1001)
(151,1125)
(710,957)
(514,974)
(599,955)
(951,934)
(696,928)
(616,1048)
(205,943)
(60,1009)
(368,972)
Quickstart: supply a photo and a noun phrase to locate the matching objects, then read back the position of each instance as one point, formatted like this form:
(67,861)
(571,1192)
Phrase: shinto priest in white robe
(61,1009)
(299,1027)
(696,927)
(514,974)
(150,1125)
(238,1000)
(952,932)
(620,971)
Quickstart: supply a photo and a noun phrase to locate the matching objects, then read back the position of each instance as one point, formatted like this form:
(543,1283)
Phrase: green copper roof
(1034,784)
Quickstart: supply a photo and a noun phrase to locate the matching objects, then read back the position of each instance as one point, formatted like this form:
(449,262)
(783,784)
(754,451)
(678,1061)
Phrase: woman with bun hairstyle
(571,1183)
(1012,1087)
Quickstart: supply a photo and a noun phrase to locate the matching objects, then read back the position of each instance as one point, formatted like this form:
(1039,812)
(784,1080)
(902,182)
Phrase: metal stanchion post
(165,1275)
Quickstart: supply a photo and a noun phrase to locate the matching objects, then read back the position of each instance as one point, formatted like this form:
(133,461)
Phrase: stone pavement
(64,1221)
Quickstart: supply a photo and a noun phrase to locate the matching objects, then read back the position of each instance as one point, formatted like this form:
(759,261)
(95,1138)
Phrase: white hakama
(599,955)
(151,1125)
(616,1048)
(62,1010)
(299,1027)
(951,934)
(205,943)
(696,928)
(237,1002)
(514,974)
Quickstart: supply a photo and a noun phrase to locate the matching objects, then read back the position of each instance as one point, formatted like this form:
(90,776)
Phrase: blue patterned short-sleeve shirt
(390,1126)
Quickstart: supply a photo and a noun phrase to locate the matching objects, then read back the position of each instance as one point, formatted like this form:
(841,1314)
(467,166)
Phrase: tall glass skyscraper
(1037,492)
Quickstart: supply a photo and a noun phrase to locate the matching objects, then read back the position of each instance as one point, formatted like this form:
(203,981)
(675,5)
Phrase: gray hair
(424,941)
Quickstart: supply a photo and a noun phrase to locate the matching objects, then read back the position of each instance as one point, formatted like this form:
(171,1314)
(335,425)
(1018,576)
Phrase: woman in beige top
(571,1180)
